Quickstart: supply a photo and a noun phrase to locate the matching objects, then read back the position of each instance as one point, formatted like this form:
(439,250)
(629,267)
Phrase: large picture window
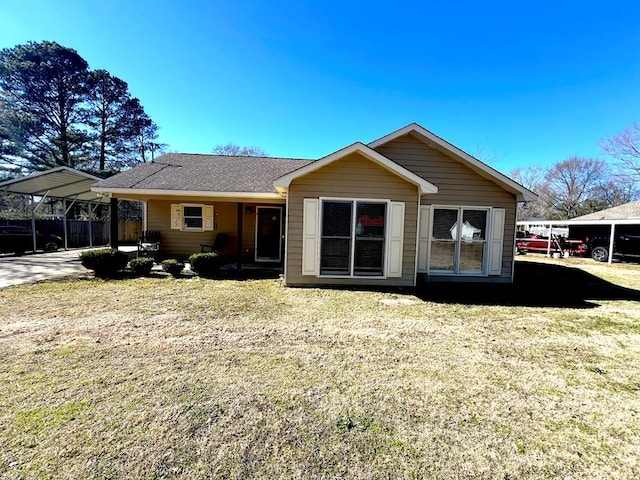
(458,240)
(353,238)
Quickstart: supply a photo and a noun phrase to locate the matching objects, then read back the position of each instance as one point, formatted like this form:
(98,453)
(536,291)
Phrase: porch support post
(113,224)
(145,218)
(239,235)
(33,222)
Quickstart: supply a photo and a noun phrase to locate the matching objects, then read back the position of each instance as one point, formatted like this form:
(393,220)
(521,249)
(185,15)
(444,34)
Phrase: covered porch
(247,233)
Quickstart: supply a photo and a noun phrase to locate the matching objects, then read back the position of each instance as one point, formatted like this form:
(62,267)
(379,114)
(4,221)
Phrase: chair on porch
(217,246)
(149,244)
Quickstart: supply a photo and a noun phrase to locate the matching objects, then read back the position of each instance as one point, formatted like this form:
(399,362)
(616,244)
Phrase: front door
(268,234)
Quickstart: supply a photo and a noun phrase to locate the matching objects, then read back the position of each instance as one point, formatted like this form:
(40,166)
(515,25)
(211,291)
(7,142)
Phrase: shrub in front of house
(104,262)
(205,264)
(173,267)
(141,265)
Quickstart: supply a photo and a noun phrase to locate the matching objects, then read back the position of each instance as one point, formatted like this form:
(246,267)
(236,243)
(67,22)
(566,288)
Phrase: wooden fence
(129,231)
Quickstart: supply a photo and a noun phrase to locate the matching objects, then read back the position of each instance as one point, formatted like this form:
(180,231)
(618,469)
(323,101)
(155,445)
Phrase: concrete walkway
(31,268)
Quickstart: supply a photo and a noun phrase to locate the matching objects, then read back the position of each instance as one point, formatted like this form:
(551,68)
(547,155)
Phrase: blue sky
(515,83)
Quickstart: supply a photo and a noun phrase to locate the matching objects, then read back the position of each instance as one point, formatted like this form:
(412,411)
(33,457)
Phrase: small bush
(205,264)
(104,262)
(141,265)
(174,267)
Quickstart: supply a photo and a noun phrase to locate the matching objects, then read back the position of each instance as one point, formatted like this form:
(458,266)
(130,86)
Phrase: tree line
(577,186)
(55,111)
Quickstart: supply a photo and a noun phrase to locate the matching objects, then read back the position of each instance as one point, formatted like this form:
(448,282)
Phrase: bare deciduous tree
(570,188)
(533,179)
(571,184)
(615,190)
(625,147)
(486,153)
(235,150)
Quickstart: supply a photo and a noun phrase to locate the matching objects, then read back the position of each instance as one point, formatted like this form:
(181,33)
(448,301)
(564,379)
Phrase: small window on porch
(192,217)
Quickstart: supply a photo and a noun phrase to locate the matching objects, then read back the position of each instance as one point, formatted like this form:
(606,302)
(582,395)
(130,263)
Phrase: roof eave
(115,192)
(59,182)
(527,196)
(575,221)
(49,172)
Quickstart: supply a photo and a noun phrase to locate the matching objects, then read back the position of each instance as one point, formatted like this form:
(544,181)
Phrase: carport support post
(33,222)
(113,223)
(64,223)
(611,237)
(90,225)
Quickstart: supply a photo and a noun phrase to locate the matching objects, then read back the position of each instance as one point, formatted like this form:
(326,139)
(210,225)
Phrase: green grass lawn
(192,378)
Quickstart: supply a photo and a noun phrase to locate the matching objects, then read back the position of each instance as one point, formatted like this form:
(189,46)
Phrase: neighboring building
(613,226)
(615,229)
(406,208)
(627,211)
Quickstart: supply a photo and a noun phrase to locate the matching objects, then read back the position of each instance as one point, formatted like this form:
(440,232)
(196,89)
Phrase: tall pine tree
(54,111)
(43,88)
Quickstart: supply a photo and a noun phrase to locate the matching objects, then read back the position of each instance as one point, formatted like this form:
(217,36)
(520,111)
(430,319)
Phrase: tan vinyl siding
(249,230)
(352,177)
(181,244)
(457,185)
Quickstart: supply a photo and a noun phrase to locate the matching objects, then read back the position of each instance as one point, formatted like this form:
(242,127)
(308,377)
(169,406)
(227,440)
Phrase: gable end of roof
(282,184)
(523,194)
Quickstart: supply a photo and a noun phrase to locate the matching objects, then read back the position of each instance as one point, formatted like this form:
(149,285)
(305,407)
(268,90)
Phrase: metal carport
(62,183)
(611,218)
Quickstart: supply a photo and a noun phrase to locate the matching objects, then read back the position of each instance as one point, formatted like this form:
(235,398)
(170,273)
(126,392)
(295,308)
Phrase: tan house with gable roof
(406,208)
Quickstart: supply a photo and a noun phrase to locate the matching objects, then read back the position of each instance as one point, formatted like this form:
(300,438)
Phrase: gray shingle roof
(205,173)
(621,212)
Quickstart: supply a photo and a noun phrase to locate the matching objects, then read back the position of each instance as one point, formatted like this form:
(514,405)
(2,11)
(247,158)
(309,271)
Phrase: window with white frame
(192,217)
(459,240)
(352,238)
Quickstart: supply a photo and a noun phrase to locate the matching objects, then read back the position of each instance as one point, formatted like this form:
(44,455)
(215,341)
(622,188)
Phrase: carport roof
(628,211)
(59,182)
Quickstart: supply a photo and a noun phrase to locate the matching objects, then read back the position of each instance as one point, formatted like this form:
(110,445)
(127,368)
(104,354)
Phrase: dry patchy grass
(192,378)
